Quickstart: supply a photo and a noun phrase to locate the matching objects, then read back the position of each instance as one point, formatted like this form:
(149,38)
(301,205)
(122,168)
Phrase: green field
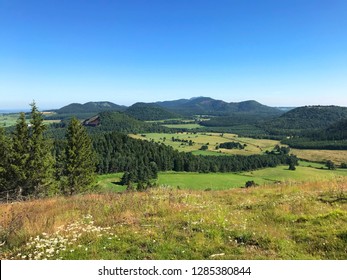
(109,182)
(221,181)
(254,146)
(7,120)
(184,125)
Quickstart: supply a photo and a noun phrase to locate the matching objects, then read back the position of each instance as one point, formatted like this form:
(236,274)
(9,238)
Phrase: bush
(250,184)
(204,148)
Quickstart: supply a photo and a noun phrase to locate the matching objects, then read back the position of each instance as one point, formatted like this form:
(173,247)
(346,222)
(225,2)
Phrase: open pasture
(222,181)
(337,156)
(183,125)
(7,120)
(253,146)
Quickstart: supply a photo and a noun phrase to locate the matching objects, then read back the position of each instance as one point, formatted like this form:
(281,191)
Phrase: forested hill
(150,112)
(337,131)
(90,107)
(313,127)
(170,109)
(311,117)
(209,106)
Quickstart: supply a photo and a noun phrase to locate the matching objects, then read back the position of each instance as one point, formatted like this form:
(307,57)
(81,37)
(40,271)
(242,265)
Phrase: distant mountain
(150,112)
(210,106)
(90,107)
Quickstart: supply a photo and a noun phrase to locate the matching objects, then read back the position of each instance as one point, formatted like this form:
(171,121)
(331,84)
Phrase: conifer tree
(79,159)
(40,161)
(5,164)
(32,162)
(20,143)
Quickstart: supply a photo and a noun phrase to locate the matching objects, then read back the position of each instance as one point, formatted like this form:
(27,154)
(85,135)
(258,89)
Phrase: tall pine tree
(6,175)
(40,161)
(79,159)
(20,143)
(32,162)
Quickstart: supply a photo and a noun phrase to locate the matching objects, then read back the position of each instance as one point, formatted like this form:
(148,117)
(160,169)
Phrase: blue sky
(280,53)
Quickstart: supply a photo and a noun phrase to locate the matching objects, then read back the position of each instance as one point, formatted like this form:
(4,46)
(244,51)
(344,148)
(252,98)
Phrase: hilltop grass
(296,221)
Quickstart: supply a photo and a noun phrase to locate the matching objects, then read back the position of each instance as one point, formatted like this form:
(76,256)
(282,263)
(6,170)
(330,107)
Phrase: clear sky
(278,52)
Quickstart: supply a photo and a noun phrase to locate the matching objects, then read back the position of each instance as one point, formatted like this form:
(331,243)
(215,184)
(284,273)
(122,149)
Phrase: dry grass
(337,157)
(295,221)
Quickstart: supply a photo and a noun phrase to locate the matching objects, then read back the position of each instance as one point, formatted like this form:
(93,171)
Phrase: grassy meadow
(7,120)
(223,181)
(305,172)
(288,221)
(336,156)
(184,125)
(254,146)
